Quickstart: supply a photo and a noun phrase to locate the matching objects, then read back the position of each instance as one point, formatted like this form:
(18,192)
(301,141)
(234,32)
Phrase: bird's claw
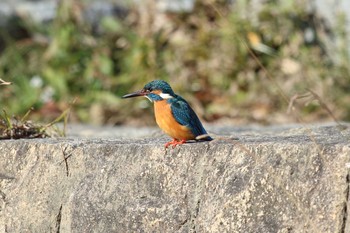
(174,143)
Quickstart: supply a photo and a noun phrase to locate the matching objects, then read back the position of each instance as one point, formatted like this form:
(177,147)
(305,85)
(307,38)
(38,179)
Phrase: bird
(173,114)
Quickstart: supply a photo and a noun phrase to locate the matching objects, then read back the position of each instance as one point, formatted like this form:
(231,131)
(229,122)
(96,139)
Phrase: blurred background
(236,62)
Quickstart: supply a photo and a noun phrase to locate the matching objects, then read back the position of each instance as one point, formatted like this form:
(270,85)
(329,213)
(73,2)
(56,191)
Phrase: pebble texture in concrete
(275,179)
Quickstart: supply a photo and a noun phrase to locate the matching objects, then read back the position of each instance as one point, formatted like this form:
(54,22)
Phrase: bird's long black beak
(135,94)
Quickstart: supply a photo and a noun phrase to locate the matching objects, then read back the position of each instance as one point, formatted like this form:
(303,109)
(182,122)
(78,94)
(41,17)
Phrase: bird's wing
(185,115)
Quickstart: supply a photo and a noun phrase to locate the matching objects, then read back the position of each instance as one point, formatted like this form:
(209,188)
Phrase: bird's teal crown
(156,90)
(161,85)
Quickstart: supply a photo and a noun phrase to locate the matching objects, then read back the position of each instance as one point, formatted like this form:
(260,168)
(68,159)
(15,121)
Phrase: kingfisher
(173,114)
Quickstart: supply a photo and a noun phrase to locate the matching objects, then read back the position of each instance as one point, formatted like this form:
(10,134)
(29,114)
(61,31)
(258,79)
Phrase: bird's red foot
(174,143)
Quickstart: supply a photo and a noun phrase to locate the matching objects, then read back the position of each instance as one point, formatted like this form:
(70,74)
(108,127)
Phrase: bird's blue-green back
(184,115)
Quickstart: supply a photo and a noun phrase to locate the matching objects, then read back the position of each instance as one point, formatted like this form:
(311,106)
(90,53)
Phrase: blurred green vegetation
(230,63)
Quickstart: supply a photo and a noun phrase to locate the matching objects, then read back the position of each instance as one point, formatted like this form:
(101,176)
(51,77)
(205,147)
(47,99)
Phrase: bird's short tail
(204,137)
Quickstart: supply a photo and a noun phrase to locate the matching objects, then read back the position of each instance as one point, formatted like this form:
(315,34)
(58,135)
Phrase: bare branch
(3,82)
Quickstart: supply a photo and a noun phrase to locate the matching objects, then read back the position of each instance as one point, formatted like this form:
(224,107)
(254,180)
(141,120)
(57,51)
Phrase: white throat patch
(165,96)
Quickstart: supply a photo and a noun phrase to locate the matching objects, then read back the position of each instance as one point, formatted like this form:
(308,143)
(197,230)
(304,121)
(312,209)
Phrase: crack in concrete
(194,217)
(58,220)
(183,224)
(345,207)
(65,158)
(3,201)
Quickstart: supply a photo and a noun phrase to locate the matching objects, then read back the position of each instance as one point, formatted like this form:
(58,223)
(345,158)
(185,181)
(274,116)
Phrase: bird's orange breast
(168,124)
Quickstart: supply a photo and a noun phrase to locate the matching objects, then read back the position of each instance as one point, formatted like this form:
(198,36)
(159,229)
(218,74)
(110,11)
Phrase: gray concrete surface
(273,179)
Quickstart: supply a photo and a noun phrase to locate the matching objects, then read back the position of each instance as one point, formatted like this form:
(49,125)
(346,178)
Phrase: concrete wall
(279,179)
